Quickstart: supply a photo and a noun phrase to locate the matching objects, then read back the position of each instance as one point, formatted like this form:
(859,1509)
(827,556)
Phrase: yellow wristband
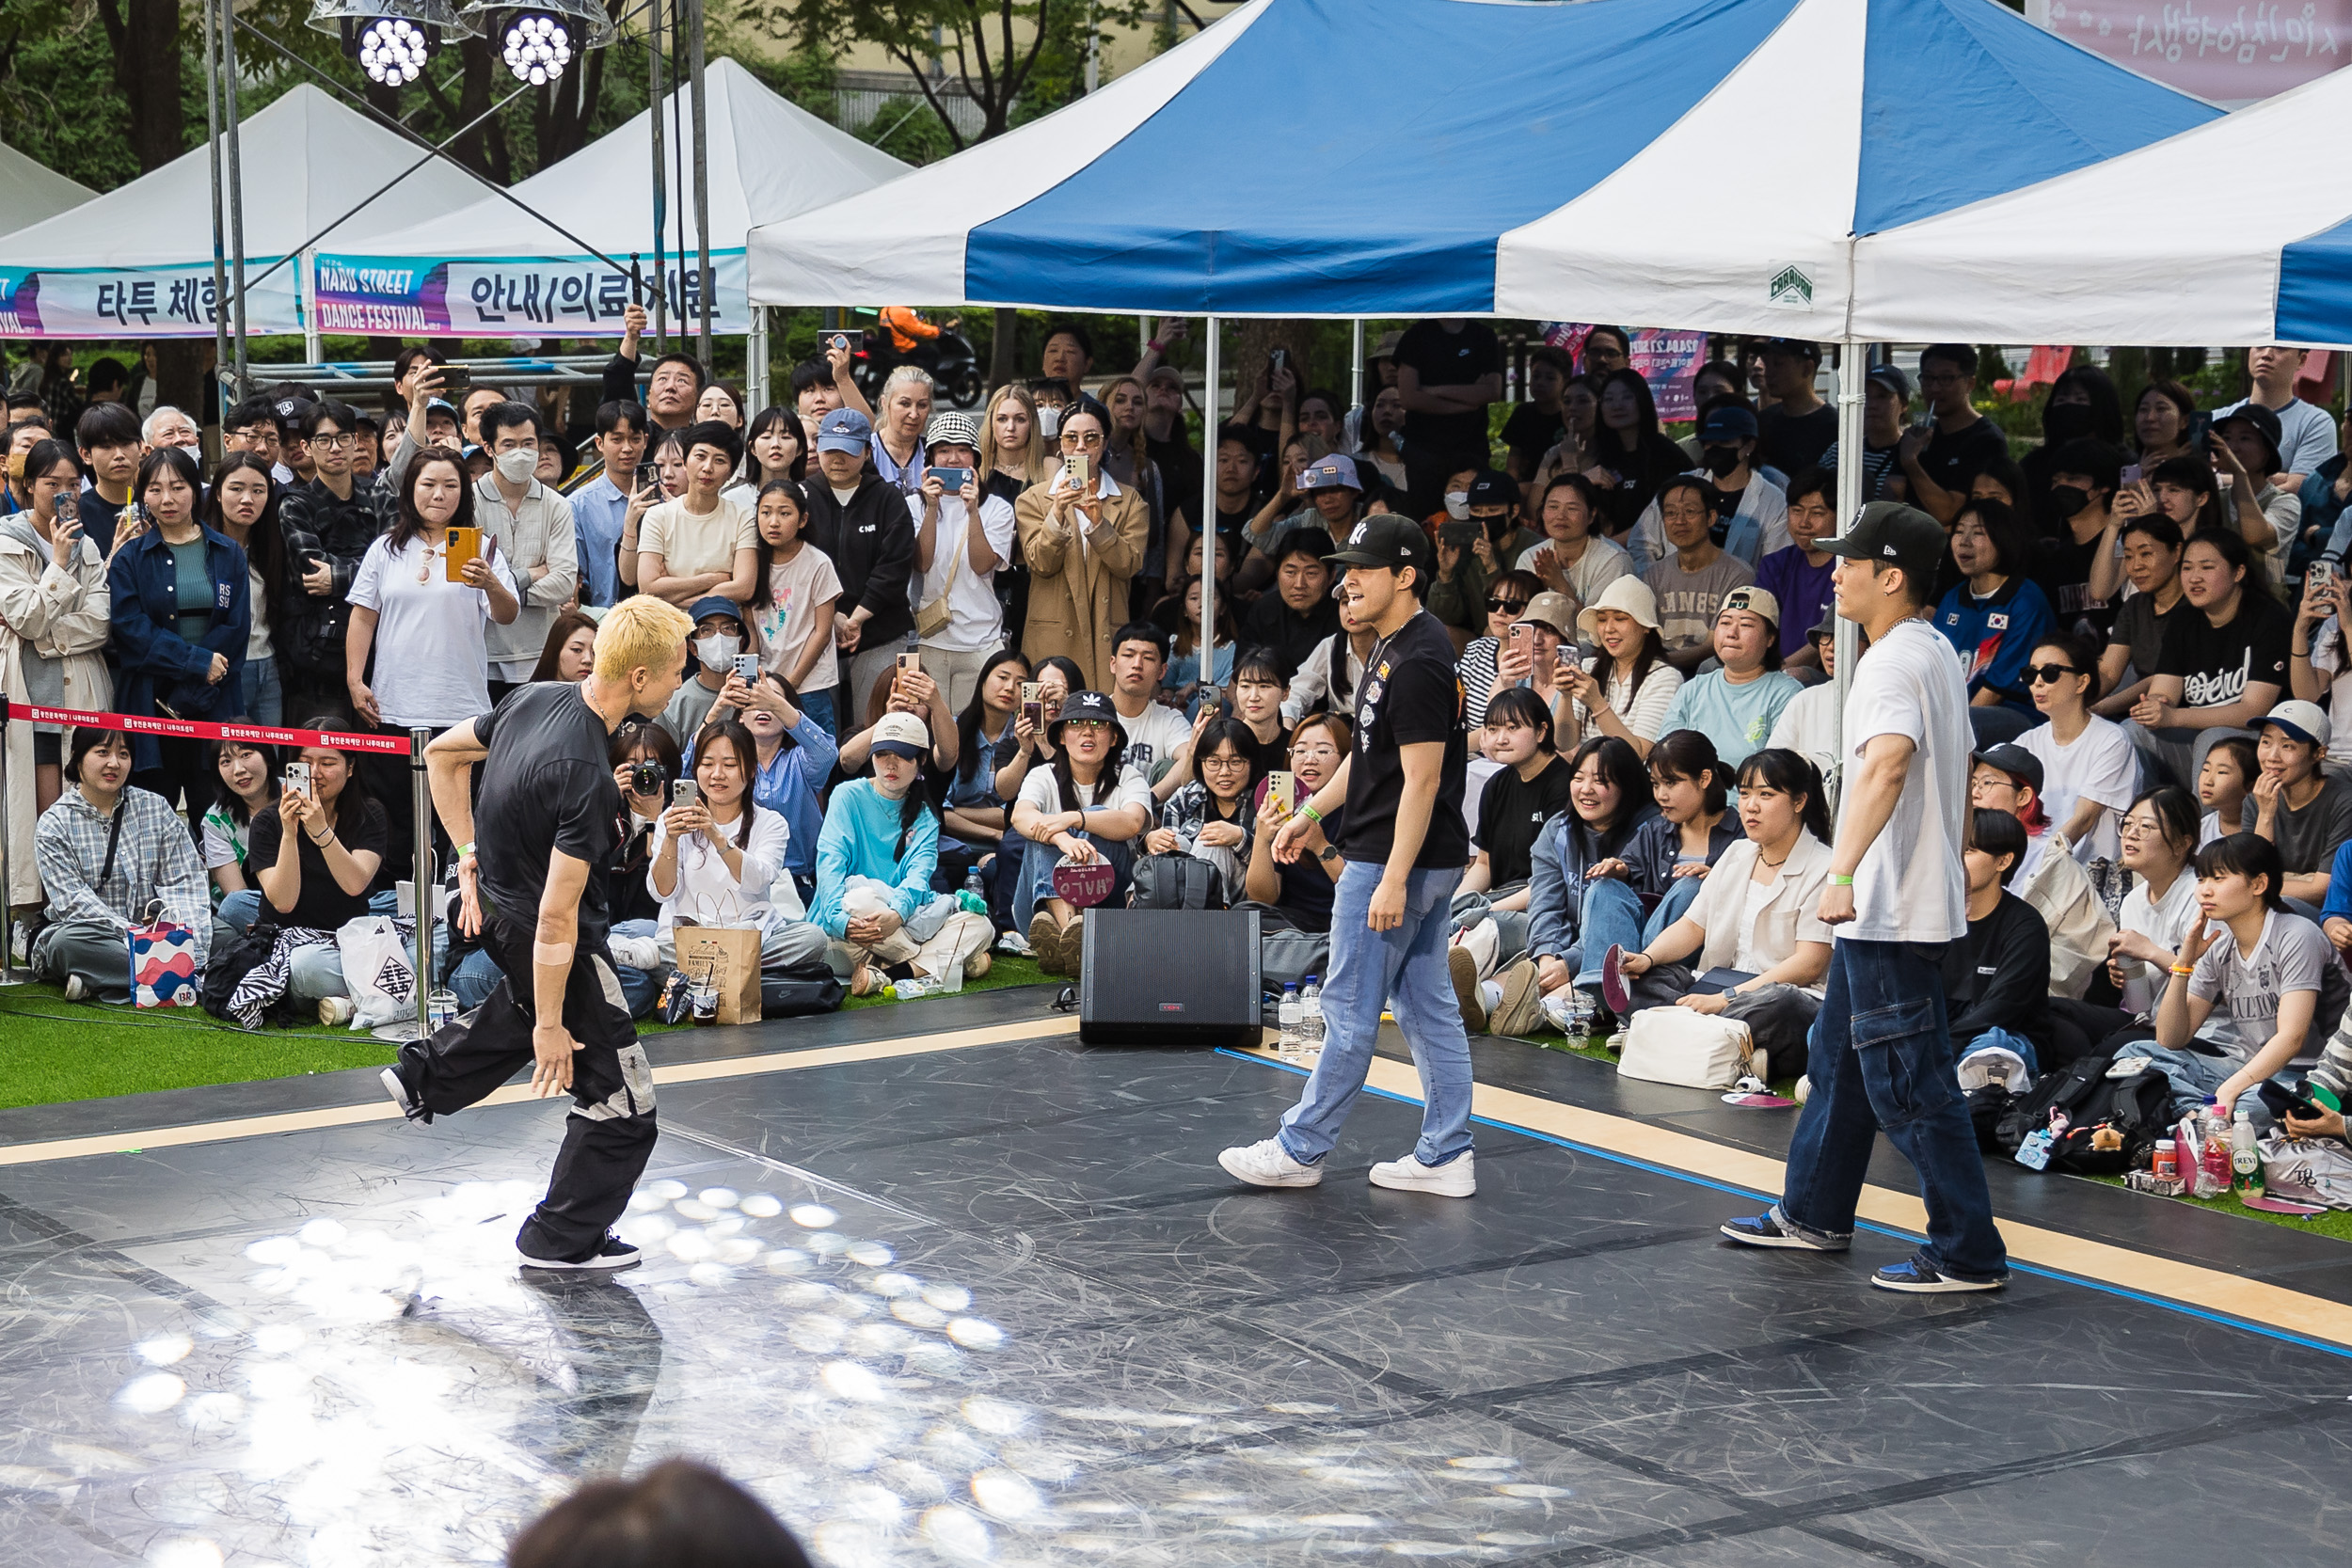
(1836,880)
(1310,813)
(2183,969)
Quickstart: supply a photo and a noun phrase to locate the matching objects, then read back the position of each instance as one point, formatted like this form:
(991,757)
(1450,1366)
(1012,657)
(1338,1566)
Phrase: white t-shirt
(1042,790)
(1911,885)
(1808,725)
(432,662)
(976,619)
(2289,955)
(689,542)
(1745,958)
(1601,564)
(2100,765)
(708,895)
(795,589)
(2209,828)
(2162,920)
(1158,726)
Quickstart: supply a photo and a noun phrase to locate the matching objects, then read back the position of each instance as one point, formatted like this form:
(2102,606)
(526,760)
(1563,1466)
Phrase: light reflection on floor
(389,1389)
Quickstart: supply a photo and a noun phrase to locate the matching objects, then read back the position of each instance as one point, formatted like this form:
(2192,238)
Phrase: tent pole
(703,280)
(1852,389)
(236,191)
(1208,509)
(1356,363)
(756,358)
(220,245)
(661,188)
(306,301)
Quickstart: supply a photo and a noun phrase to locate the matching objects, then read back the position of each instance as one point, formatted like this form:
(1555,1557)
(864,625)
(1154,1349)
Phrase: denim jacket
(153,657)
(1656,846)
(1564,853)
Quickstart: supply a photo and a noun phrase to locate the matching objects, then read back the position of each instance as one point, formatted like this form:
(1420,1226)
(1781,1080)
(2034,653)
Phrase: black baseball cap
(2015,761)
(1894,535)
(1491,488)
(1388,540)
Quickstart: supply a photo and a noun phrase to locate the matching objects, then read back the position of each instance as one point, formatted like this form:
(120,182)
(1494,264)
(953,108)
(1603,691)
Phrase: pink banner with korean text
(2225,53)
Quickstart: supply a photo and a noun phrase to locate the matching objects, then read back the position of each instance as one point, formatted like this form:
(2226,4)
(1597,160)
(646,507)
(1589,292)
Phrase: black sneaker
(611,1254)
(1765,1230)
(1913,1277)
(396,1084)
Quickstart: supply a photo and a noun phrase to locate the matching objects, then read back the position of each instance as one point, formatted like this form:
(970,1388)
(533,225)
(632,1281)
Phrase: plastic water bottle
(974,898)
(1292,1039)
(2216,1159)
(1310,1013)
(2246,1159)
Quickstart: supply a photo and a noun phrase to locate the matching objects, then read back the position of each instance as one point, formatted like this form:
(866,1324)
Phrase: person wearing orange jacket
(911,336)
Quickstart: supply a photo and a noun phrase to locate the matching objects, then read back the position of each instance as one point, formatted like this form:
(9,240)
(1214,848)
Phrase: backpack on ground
(800,991)
(2112,1124)
(1175,882)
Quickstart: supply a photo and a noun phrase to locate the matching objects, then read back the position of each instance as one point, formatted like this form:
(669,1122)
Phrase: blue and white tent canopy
(2237,233)
(1702,162)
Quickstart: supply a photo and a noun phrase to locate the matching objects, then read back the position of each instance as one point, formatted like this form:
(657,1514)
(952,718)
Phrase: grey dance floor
(999,1305)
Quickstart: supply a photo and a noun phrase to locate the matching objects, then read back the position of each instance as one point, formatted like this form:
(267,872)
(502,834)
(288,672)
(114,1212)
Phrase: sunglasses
(2051,674)
(1506,607)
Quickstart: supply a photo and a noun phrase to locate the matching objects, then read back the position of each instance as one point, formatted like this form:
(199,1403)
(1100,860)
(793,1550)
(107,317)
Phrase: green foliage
(911,132)
(56,92)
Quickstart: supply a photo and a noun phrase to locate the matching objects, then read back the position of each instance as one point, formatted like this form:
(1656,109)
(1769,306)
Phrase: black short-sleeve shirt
(1792,441)
(546,785)
(1530,433)
(1954,460)
(322,904)
(1512,811)
(1443,358)
(1410,696)
(2215,662)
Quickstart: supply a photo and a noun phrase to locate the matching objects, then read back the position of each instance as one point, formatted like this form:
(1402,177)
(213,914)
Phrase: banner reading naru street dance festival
(146,302)
(552,296)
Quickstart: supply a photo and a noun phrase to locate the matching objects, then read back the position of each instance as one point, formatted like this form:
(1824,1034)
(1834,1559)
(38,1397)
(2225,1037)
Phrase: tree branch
(915,69)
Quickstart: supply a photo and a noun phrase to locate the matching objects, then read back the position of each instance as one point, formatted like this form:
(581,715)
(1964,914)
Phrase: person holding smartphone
(53,628)
(1082,535)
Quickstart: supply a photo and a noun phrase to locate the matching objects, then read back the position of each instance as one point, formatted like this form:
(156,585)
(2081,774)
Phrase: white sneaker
(75,987)
(1267,1163)
(638,953)
(1456,1178)
(1016,945)
(915,988)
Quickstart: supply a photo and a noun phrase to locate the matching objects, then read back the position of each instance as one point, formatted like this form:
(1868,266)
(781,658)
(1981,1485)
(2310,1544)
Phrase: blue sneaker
(1765,1230)
(1913,1277)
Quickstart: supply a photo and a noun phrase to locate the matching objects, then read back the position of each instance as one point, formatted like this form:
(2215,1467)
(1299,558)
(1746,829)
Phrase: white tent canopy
(137,263)
(31,191)
(2228,233)
(493,268)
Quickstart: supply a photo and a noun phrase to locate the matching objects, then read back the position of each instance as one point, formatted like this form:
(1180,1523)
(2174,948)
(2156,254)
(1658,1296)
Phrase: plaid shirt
(156,860)
(314,522)
(1186,812)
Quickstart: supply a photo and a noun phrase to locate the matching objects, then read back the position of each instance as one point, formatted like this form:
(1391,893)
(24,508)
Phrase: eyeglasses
(332,443)
(1082,439)
(2050,675)
(1506,607)
(1307,752)
(2133,828)
(1224,762)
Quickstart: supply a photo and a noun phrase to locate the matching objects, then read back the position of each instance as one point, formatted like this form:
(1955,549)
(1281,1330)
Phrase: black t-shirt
(546,785)
(98,516)
(1512,811)
(1180,471)
(1411,695)
(322,906)
(1268,757)
(2215,662)
(1954,460)
(1530,433)
(1443,358)
(1792,441)
(1272,624)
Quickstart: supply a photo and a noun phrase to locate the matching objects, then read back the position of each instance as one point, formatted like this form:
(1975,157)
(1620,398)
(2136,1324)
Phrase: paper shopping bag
(163,965)
(730,956)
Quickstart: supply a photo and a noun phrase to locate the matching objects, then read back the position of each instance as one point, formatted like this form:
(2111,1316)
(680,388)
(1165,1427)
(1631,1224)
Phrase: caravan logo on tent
(1791,286)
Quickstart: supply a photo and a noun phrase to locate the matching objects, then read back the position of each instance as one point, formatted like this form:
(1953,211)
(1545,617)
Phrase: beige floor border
(2189,1284)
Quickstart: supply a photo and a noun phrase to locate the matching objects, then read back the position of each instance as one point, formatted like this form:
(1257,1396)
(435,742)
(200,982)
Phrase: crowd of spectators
(938,657)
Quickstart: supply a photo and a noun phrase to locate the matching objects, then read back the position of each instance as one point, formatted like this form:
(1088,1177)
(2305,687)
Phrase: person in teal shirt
(1736,706)
(874,864)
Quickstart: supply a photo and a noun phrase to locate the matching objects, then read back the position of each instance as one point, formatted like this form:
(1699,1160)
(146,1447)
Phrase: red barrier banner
(388,743)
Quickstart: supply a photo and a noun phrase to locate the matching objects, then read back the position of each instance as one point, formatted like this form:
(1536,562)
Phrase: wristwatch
(1329,853)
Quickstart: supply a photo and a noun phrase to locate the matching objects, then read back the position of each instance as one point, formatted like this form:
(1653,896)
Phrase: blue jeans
(1119,854)
(238,911)
(2197,1074)
(264,699)
(1881,1060)
(818,705)
(1612,915)
(1404,967)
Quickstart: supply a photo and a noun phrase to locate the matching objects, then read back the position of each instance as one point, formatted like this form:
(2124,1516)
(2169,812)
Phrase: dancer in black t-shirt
(532,889)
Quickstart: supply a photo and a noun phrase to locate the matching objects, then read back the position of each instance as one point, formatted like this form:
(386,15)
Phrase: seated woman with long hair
(1209,816)
(1608,798)
(976,817)
(1647,886)
(314,855)
(874,866)
(1751,945)
(248,776)
(1087,807)
(1299,891)
(718,860)
(111,857)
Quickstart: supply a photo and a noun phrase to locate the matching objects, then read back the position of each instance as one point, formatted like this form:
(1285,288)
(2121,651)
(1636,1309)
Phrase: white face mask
(516,467)
(1049,423)
(1457,504)
(715,650)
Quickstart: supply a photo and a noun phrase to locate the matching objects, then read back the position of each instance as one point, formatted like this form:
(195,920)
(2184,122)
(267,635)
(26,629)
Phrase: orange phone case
(464,545)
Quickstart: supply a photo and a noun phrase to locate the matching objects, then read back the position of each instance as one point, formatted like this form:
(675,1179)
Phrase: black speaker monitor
(1185,978)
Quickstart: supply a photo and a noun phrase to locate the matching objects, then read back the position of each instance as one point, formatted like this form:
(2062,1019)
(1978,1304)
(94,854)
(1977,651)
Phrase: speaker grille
(1170,976)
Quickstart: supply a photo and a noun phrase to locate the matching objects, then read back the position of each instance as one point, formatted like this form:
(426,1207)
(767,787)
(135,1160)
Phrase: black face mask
(2068,499)
(1720,461)
(2062,422)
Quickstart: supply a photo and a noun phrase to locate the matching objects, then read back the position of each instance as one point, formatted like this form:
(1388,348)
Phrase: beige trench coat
(65,615)
(1078,594)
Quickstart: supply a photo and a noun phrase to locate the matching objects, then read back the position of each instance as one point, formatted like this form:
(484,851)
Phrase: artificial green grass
(54,1050)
